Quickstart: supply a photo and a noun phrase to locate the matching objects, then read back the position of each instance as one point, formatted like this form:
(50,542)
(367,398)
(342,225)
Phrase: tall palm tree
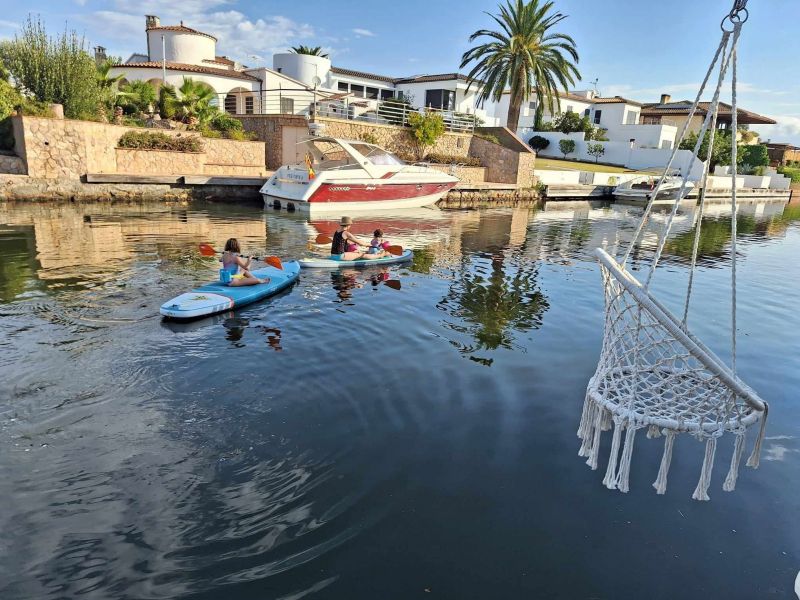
(315,51)
(525,55)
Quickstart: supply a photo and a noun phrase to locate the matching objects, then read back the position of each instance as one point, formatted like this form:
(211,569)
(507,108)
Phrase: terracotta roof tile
(352,73)
(616,100)
(181,28)
(190,69)
(745,117)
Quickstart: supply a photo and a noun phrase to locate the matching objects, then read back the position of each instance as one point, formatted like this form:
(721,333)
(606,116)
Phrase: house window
(569,108)
(442,99)
(387,94)
(532,105)
(632,117)
(230,104)
(357,90)
(248,105)
(597,114)
(372,93)
(586,113)
(287,106)
(343,86)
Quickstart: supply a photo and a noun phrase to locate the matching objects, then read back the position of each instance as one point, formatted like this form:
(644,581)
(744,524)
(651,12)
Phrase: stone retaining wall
(158,162)
(394,138)
(24,188)
(271,129)
(464,174)
(66,149)
(490,199)
(12,165)
(504,165)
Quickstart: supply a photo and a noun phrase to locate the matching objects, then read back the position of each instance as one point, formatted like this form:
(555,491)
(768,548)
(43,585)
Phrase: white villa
(301,84)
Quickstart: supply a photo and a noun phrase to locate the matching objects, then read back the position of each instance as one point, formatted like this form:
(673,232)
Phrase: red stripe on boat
(332,192)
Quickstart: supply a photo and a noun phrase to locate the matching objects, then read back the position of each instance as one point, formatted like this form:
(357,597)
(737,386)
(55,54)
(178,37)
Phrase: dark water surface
(350,440)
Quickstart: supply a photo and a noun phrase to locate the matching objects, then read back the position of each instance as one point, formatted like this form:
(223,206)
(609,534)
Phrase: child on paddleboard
(232,263)
(377,244)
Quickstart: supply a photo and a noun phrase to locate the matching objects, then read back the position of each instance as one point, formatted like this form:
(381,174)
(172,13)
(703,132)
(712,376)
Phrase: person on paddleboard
(345,245)
(237,266)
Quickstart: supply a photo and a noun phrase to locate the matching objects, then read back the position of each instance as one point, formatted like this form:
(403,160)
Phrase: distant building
(175,52)
(667,112)
(782,153)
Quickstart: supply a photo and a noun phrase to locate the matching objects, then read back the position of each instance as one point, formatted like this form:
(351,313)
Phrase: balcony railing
(310,104)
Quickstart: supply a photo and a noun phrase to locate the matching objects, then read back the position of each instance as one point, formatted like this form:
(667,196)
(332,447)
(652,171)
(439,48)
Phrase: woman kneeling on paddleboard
(345,244)
(232,262)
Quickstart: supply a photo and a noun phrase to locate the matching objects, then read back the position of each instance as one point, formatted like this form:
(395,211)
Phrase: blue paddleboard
(216,297)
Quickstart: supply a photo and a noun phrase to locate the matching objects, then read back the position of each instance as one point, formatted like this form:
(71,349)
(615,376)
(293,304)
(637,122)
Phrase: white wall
(617,153)
(302,67)
(221,85)
(181,47)
(464,100)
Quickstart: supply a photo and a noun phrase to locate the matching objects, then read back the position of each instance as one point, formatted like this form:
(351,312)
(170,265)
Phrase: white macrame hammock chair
(652,371)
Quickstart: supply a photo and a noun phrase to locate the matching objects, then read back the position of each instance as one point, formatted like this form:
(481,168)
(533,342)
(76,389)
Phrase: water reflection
(152,460)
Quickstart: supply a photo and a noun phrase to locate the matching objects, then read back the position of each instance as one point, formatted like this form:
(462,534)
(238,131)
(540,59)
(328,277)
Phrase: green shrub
(207,132)
(137,97)
(147,140)
(225,123)
(596,150)
(133,122)
(426,129)
(35,108)
(754,155)
(488,137)
(538,142)
(566,147)
(369,137)
(241,136)
(54,69)
(790,172)
(449,159)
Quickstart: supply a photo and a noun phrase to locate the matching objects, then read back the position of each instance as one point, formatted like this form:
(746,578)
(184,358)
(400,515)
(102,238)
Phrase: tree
(524,55)
(720,154)
(167,100)
(596,150)
(308,50)
(755,155)
(138,97)
(538,142)
(194,102)
(54,70)
(426,129)
(566,147)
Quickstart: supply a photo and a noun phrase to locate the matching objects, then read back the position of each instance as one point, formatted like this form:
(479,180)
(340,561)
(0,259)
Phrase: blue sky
(636,48)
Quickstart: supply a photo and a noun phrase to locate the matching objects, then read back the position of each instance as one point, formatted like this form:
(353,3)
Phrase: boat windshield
(376,155)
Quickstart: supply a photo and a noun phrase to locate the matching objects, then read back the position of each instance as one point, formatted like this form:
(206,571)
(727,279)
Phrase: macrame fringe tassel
(610,480)
(583,428)
(733,472)
(586,428)
(654,431)
(598,431)
(755,456)
(605,424)
(661,480)
(623,477)
(701,491)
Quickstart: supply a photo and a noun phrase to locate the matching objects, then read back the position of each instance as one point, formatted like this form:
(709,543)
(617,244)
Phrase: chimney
(151,21)
(99,55)
(665,98)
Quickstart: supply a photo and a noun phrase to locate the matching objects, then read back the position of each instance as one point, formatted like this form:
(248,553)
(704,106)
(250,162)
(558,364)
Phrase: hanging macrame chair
(653,373)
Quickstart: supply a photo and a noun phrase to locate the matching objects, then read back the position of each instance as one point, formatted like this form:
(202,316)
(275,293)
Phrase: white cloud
(238,36)
(787,129)
(9,24)
(362,32)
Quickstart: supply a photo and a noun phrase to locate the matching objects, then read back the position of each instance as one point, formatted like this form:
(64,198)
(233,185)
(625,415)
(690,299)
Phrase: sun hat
(346,221)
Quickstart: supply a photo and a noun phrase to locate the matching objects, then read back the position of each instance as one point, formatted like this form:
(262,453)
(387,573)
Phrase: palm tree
(138,97)
(525,55)
(195,101)
(315,51)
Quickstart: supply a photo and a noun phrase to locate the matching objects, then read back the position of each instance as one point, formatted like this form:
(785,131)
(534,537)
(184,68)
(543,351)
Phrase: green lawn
(554,164)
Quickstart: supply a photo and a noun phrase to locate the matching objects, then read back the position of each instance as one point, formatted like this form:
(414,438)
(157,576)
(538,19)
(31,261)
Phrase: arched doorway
(240,101)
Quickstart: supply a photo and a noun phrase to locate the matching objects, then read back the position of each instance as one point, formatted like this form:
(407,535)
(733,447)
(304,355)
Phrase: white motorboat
(343,175)
(641,188)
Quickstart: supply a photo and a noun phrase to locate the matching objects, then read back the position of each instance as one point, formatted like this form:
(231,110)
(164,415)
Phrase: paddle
(273,261)
(395,250)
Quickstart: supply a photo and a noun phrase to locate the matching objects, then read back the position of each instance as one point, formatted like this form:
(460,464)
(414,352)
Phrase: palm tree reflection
(494,304)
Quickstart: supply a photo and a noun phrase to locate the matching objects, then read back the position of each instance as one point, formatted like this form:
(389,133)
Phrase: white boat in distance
(343,175)
(641,188)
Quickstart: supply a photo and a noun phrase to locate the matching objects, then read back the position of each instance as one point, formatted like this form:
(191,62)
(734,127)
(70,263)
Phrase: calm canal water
(350,440)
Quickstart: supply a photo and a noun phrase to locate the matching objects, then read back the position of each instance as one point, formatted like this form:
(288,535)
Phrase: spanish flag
(310,166)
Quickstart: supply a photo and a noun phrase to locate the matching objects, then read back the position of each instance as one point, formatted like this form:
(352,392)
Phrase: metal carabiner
(738,14)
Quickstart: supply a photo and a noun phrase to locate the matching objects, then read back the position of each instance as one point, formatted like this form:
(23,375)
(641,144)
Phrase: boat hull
(330,263)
